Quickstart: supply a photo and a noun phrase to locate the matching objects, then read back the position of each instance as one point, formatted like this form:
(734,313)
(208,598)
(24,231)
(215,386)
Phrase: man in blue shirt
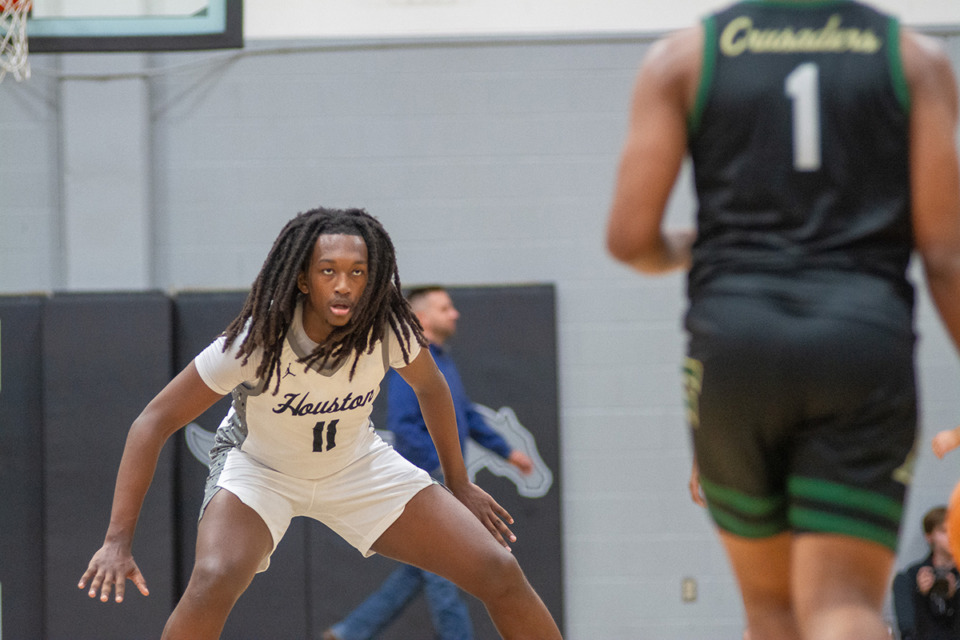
(448,611)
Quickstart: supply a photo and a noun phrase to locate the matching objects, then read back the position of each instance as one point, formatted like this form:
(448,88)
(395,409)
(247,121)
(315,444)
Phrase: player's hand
(945,441)
(696,490)
(108,570)
(925,579)
(494,517)
(521,461)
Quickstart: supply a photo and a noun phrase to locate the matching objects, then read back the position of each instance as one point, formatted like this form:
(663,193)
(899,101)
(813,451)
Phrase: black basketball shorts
(800,423)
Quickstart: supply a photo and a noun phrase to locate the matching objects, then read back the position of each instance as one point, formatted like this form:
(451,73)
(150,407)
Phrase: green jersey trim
(707,69)
(895,56)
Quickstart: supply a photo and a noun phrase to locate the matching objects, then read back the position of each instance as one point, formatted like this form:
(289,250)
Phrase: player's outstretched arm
(182,400)
(433,394)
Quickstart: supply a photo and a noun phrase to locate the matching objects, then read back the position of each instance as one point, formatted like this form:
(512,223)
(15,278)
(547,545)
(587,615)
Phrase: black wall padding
(104,357)
(275,604)
(21,468)
(506,351)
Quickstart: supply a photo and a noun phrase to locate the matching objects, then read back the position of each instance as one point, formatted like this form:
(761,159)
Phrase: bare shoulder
(925,63)
(674,62)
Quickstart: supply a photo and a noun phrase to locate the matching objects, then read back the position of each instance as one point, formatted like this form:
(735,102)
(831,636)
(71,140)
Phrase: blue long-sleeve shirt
(405,420)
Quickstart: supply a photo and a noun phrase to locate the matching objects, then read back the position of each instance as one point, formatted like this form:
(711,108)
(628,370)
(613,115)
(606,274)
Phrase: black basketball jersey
(799,140)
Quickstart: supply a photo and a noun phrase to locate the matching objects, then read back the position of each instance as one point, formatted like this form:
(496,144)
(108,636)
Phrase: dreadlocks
(272,301)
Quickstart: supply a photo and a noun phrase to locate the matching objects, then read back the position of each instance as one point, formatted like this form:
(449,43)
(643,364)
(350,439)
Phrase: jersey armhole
(707,67)
(895,58)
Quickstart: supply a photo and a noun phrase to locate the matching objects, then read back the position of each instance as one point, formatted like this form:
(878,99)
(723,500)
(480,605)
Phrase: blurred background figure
(925,594)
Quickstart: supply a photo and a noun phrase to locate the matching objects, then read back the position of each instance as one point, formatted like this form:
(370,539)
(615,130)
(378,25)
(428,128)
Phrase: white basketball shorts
(359,502)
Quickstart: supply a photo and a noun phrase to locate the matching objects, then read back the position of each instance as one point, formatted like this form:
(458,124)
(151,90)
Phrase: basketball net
(13,46)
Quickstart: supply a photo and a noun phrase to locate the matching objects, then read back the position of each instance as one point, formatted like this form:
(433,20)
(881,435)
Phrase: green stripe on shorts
(745,515)
(847,497)
(745,528)
(741,502)
(822,522)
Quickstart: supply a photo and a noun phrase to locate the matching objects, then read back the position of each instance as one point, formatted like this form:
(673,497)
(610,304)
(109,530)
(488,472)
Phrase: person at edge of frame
(822,137)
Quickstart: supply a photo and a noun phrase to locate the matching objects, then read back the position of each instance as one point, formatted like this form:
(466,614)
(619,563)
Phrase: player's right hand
(108,571)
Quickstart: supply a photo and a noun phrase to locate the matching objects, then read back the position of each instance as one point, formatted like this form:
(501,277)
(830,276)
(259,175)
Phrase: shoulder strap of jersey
(707,67)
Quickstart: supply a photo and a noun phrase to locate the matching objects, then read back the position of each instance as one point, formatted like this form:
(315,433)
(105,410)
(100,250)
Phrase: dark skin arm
(934,173)
(436,404)
(652,156)
(935,179)
(182,400)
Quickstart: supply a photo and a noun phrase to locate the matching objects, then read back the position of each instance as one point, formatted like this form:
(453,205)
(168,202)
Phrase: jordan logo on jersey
(297,404)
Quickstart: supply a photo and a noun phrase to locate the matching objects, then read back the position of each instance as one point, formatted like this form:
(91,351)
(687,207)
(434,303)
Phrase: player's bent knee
(498,577)
(221,575)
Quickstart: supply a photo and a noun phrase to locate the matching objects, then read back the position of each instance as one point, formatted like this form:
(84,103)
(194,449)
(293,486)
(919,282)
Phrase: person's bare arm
(653,153)
(934,173)
(436,404)
(182,400)
(935,184)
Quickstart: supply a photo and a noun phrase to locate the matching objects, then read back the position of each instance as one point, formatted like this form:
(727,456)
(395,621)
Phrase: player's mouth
(340,308)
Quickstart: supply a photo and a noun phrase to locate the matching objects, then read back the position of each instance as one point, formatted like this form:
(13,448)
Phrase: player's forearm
(441,421)
(137,466)
(943,281)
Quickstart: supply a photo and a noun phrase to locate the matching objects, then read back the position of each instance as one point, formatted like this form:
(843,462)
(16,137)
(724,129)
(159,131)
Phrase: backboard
(60,26)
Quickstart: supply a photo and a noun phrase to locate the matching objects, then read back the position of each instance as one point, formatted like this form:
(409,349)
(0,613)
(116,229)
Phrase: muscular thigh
(232,537)
(437,533)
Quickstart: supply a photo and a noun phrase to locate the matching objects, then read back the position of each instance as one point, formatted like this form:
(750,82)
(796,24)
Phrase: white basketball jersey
(318,421)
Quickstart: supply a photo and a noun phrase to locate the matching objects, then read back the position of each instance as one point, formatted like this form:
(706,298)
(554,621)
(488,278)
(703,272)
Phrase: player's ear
(302,282)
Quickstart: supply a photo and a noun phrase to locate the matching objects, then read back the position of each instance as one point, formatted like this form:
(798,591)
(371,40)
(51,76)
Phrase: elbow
(618,249)
(941,264)
(629,252)
(645,259)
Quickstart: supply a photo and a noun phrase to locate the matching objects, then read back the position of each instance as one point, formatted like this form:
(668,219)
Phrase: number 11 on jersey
(323,431)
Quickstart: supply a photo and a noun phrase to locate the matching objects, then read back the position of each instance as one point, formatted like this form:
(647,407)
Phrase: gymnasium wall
(264,19)
(490,162)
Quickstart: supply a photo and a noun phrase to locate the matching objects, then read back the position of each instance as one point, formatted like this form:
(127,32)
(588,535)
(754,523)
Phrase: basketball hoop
(13,31)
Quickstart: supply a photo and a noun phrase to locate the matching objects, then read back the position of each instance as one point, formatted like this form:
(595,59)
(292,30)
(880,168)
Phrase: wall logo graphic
(504,421)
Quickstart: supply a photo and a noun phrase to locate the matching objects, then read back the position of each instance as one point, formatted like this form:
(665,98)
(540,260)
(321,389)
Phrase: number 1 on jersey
(803,88)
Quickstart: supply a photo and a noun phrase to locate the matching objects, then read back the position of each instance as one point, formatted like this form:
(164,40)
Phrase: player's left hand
(494,517)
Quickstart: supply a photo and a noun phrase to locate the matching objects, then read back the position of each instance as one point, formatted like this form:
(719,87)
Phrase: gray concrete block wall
(29,186)
(489,163)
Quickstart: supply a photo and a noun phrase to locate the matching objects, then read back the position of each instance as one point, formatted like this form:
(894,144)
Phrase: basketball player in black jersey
(822,136)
